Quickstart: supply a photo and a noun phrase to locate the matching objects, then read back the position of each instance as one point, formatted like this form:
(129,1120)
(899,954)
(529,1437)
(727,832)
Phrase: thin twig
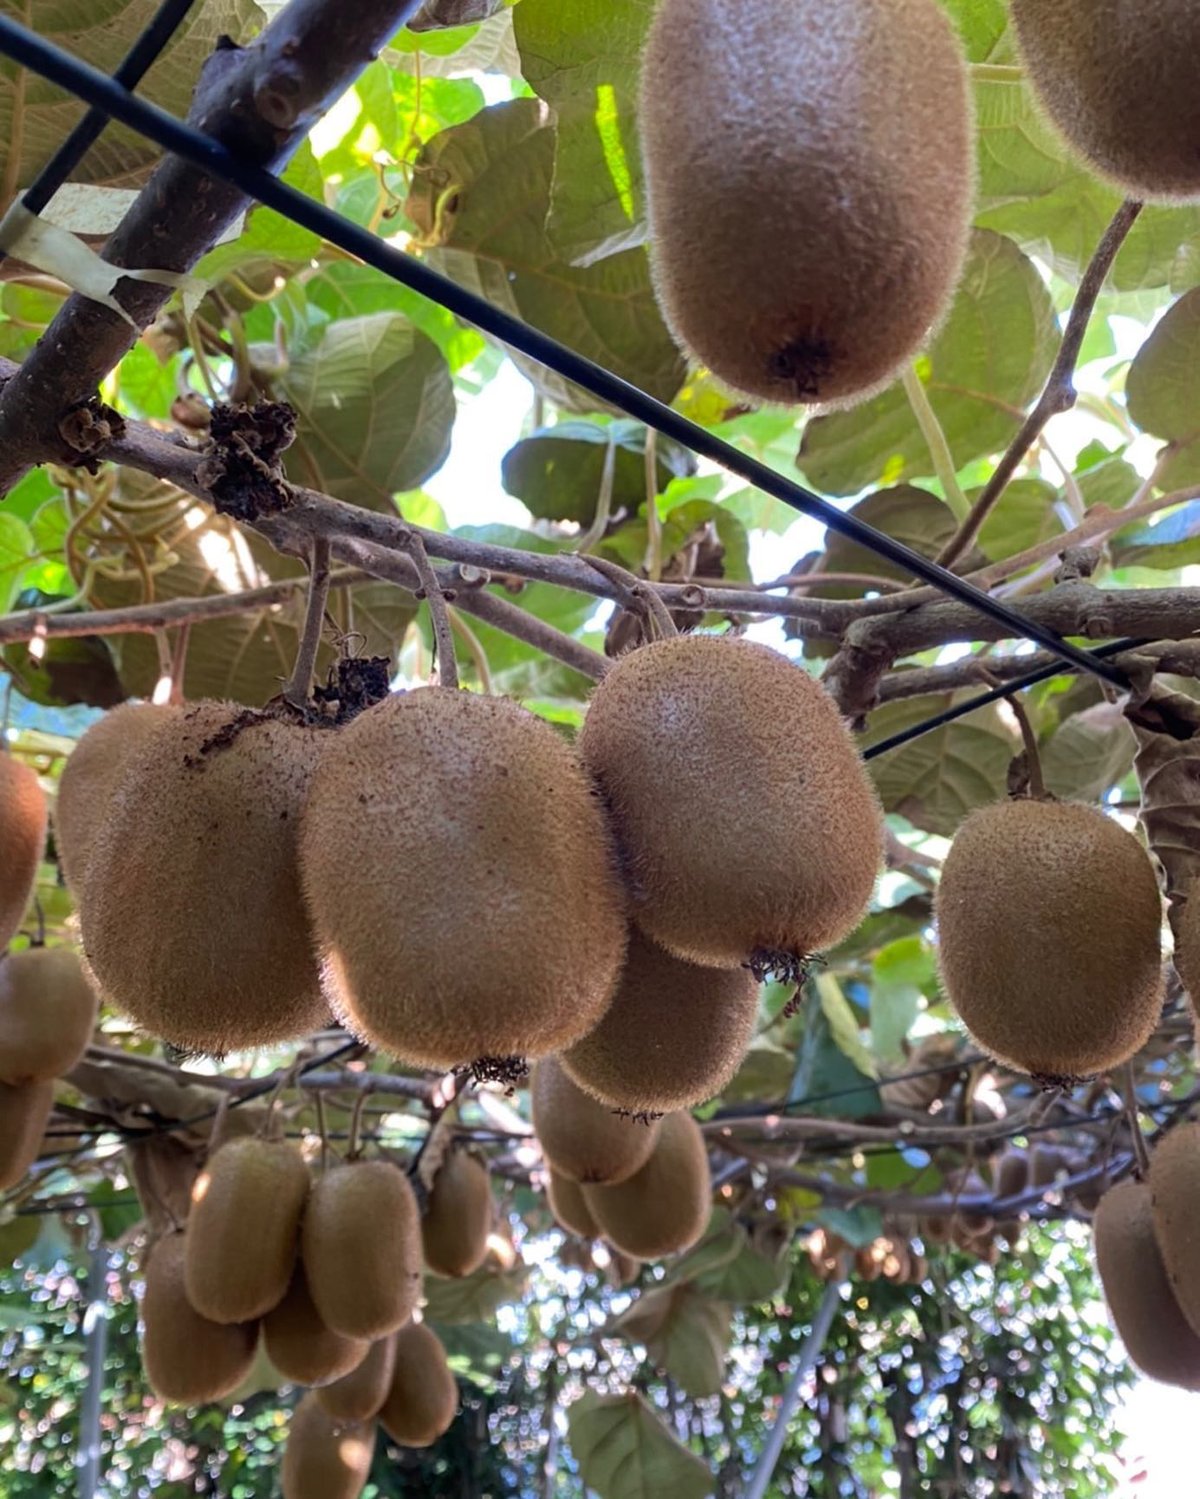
(1033,759)
(654,526)
(636,595)
(439,615)
(608,474)
(300,682)
(1129,1090)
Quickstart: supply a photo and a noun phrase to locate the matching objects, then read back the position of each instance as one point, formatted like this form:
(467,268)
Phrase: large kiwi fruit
(358,1396)
(1175,1195)
(1052,984)
(361,1247)
(189,1360)
(458,1216)
(673,1036)
(569,1208)
(423,1397)
(746,820)
(803,249)
(22,840)
(1119,83)
(300,1343)
(191,913)
(665,1207)
(325,1457)
(24,1113)
(1144,1308)
(429,804)
(581,1138)
(244,1227)
(47,1014)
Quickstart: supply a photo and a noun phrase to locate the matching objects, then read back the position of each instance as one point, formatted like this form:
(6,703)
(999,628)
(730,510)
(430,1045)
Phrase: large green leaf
(684,1331)
(625,1451)
(345,289)
(16,550)
(1161,390)
(1088,754)
(727,1266)
(475,1297)
(826,1080)
(900,973)
(557,471)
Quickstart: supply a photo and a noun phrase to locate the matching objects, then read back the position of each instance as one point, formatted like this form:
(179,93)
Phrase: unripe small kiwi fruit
(803,248)
(24,1113)
(244,1228)
(361,1247)
(1175,1196)
(1052,984)
(747,823)
(189,1359)
(325,1458)
(22,840)
(301,1345)
(569,1208)
(47,1014)
(665,1207)
(673,1036)
(426,806)
(1141,1301)
(422,1399)
(191,912)
(358,1396)
(581,1138)
(1119,83)
(458,1216)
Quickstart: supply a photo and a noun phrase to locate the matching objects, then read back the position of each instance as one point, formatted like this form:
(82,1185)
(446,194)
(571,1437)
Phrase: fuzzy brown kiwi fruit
(301,1345)
(244,1228)
(422,1399)
(569,1208)
(47,1014)
(581,1138)
(428,804)
(324,1457)
(1046,1163)
(673,1036)
(458,1216)
(747,823)
(189,1359)
(22,840)
(1119,83)
(202,827)
(24,1113)
(1047,984)
(1141,1301)
(664,1208)
(89,780)
(361,1247)
(358,1396)
(833,216)
(1175,1195)
(1011,1178)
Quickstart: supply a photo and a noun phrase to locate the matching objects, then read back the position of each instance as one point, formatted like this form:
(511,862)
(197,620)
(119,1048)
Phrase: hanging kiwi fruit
(23,816)
(458,1215)
(47,1014)
(663,1208)
(582,1139)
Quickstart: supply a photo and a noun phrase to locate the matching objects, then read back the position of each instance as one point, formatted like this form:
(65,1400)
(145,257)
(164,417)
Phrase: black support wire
(103,93)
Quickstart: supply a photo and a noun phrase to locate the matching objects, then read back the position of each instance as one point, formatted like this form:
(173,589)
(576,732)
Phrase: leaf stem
(935,440)
(439,615)
(300,683)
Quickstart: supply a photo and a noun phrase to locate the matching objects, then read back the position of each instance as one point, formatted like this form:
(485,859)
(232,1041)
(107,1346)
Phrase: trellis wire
(102,92)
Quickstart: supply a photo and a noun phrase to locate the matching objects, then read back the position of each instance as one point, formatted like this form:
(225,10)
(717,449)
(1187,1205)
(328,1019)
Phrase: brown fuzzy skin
(1140,1300)
(1175,1196)
(24,1113)
(188,1359)
(47,1014)
(810,171)
(358,1396)
(742,809)
(460,879)
(1119,83)
(325,1458)
(570,1210)
(422,1400)
(665,1208)
(673,1036)
(208,841)
(458,1216)
(361,1247)
(23,818)
(581,1138)
(1187,943)
(1049,940)
(244,1228)
(300,1343)
(89,779)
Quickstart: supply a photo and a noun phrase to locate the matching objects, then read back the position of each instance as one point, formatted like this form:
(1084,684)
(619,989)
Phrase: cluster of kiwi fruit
(890,1257)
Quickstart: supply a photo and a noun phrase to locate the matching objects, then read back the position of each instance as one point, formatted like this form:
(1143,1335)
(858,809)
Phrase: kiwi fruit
(47,1014)
(581,1138)
(1187,942)
(189,1359)
(24,1113)
(357,1396)
(361,1247)
(1046,1164)
(867,1265)
(569,1208)
(803,249)
(301,1345)
(664,1208)
(1118,81)
(458,1216)
(747,824)
(89,779)
(325,1457)
(201,832)
(673,1036)
(22,840)
(1011,1178)
(438,812)
(1175,1196)
(243,1230)
(1048,983)
(1141,1301)
(422,1399)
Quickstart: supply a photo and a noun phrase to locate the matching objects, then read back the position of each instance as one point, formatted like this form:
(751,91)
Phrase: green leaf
(475,1297)
(826,1081)
(625,1451)
(557,471)
(17,1236)
(1161,392)
(843,1025)
(900,975)
(684,1331)
(859,1226)
(270,241)
(16,549)
(765,1073)
(1089,754)
(1024,517)
(727,1266)
(1168,541)
(116,1212)
(346,290)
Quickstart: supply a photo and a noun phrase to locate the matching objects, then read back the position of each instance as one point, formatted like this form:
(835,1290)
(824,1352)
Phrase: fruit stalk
(300,683)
